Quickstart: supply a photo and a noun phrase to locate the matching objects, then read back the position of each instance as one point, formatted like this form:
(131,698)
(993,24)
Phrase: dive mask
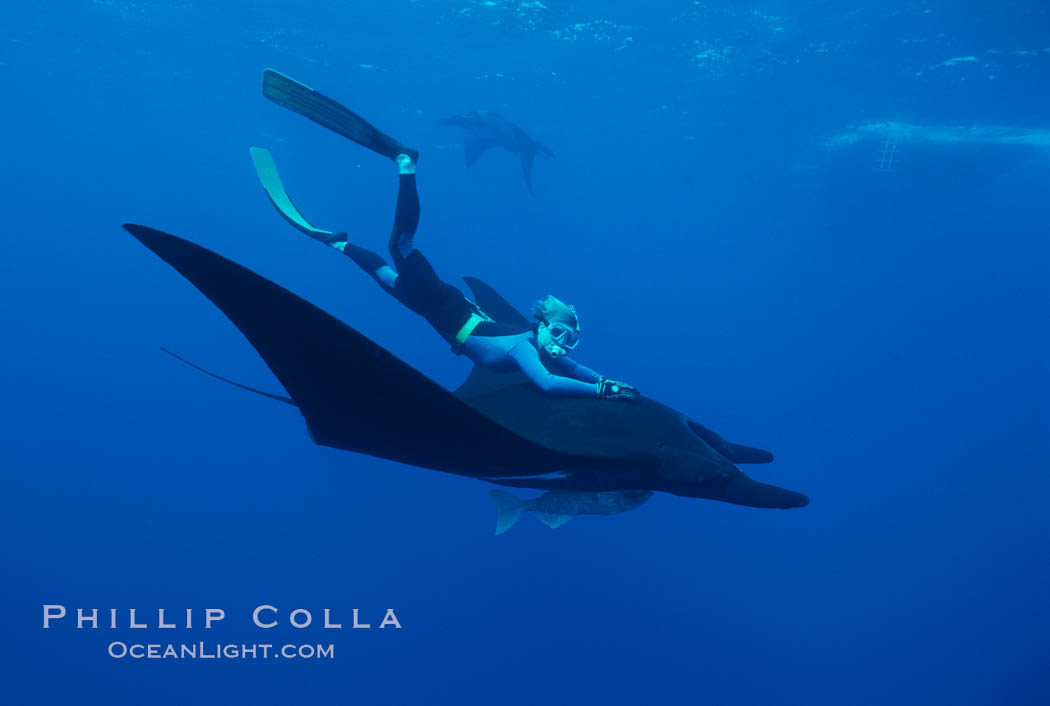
(565,336)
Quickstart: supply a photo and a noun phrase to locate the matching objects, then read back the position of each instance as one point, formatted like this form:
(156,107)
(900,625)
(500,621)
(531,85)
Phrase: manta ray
(356,396)
(483,130)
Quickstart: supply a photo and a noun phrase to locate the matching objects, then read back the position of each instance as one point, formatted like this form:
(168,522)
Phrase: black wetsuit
(417,286)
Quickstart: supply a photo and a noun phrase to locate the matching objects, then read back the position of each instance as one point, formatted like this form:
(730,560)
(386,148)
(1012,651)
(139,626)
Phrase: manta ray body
(356,396)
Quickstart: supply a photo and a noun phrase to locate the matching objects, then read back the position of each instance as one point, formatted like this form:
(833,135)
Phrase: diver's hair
(551,310)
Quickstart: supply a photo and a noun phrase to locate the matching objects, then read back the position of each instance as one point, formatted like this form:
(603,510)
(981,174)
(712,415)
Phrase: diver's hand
(616,390)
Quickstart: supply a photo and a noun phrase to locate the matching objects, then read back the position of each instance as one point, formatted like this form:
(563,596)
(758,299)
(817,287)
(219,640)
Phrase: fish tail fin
(509,509)
(552,519)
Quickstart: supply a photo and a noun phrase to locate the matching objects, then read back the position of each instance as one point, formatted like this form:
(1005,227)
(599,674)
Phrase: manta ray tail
(528,157)
(509,509)
(249,388)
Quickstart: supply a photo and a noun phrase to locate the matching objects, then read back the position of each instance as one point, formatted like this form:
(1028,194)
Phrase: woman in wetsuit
(540,351)
(413,282)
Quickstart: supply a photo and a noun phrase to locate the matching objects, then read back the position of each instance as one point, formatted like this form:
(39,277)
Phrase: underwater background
(816,227)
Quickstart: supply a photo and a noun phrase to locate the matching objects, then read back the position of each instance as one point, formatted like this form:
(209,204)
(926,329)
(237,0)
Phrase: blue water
(883,332)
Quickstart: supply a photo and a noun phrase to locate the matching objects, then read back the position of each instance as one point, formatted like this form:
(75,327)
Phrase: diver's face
(557,339)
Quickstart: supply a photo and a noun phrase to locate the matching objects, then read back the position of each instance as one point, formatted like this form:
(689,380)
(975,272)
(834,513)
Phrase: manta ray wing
(353,394)
(477,143)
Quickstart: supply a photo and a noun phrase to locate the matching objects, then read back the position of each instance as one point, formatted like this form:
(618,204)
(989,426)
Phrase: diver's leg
(406,213)
(371,263)
(417,285)
(421,276)
(417,281)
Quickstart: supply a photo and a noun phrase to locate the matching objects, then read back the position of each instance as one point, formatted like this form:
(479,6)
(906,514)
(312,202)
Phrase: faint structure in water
(889,151)
(945,162)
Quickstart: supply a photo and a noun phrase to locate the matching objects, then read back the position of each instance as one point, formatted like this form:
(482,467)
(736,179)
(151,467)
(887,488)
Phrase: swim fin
(271,183)
(300,98)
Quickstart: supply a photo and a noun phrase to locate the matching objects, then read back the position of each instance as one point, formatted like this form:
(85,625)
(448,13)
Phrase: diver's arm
(610,389)
(571,369)
(528,359)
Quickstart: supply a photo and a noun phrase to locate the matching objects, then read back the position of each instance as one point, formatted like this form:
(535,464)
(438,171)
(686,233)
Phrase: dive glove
(616,390)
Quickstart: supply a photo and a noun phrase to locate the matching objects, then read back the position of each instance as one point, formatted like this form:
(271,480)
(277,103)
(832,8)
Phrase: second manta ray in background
(483,130)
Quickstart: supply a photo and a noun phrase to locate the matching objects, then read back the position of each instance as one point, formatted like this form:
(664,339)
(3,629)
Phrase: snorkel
(547,342)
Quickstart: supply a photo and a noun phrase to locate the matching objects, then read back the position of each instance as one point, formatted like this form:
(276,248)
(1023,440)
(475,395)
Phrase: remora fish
(556,507)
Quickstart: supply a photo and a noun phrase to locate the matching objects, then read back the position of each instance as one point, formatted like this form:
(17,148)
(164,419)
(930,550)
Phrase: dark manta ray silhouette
(356,396)
(483,130)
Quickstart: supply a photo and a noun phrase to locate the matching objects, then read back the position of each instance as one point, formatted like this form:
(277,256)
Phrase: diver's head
(559,328)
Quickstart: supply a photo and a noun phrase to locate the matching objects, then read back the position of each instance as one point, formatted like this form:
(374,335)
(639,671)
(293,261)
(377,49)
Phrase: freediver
(541,351)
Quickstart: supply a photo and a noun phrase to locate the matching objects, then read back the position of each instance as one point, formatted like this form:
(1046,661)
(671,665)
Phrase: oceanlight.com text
(204,650)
